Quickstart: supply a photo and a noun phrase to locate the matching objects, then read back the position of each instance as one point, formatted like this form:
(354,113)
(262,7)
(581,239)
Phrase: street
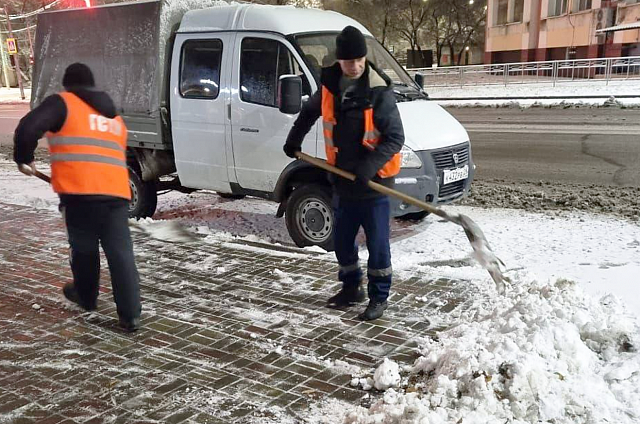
(574,145)
(516,302)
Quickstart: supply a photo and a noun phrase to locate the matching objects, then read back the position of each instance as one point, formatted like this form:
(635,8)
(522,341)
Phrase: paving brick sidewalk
(232,332)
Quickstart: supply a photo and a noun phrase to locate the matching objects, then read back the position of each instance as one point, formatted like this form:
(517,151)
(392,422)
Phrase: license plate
(453,175)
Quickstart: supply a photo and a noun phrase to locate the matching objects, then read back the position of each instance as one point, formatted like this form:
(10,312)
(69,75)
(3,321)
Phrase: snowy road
(581,145)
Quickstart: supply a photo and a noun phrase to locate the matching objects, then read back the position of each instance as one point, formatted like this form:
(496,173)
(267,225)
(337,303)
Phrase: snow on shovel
(482,252)
(170,231)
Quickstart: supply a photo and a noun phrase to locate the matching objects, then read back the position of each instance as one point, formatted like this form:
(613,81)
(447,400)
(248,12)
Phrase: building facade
(537,30)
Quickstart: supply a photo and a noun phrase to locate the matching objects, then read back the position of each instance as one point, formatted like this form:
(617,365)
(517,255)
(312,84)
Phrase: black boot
(374,310)
(70,292)
(129,326)
(347,296)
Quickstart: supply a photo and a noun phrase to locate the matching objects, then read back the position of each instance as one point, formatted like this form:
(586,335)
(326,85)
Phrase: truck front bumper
(426,183)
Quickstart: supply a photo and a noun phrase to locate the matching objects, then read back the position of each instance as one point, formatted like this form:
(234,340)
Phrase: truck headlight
(409,158)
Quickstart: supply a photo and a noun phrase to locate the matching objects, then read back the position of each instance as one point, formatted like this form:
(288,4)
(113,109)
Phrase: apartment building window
(580,5)
(509,11)
(518,12)
(557,7)
(503,12)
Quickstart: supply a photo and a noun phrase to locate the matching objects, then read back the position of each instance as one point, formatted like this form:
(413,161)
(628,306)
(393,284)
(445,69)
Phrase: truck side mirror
(419,78)
(290,94)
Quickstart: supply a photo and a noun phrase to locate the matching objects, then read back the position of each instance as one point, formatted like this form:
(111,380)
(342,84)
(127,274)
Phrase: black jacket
(51,115)
(372,89)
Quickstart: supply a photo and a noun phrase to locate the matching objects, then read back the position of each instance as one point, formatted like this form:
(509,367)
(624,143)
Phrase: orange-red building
(536,30)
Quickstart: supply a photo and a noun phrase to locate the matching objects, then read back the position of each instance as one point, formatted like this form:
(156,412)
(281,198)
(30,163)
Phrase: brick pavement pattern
(231,332)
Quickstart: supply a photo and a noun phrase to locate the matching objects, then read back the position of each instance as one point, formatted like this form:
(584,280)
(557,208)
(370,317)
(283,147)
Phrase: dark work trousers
(373,216)
(105,222)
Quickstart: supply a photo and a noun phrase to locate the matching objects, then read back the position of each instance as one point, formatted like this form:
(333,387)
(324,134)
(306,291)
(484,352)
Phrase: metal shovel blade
(482,251)
(170,231)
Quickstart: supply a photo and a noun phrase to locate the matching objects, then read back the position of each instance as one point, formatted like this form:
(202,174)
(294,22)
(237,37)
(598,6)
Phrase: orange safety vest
(88,154)
(370,139)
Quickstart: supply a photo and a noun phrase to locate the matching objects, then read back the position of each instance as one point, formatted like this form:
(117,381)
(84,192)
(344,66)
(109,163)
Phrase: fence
(549,72)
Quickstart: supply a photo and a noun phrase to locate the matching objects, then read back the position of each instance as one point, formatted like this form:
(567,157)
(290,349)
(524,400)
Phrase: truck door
(198,105)
(258,128)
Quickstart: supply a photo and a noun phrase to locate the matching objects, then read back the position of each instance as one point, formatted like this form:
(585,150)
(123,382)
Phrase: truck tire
(144,196)
(309,216)
(414,216)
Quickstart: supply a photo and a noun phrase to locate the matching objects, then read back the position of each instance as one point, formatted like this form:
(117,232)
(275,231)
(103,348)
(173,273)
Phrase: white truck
(200,93)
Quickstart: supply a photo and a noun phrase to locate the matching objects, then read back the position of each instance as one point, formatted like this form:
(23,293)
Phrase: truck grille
(444,158)
(453,189)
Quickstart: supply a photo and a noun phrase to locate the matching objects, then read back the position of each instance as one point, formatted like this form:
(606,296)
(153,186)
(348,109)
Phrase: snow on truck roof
(252,17)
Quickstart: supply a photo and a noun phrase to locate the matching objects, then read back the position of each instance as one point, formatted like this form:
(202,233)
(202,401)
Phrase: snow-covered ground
(582,88)
(12,95)
(559,347)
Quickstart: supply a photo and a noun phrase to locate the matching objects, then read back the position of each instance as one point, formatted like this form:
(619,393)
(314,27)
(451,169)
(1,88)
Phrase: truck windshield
(320,51)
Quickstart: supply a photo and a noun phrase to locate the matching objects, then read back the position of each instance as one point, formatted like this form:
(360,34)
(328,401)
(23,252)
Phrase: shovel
(482,252)
(170,231)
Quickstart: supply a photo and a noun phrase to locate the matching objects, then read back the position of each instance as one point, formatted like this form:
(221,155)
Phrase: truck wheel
(414,216)
(144,196)
(309,216)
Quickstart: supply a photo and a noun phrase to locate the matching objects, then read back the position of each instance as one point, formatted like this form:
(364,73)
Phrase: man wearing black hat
(363,134)
(87,141)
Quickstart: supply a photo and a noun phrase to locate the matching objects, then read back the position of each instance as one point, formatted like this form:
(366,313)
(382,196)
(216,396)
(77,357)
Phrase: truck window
(200,69)
(320,51)
(262,62)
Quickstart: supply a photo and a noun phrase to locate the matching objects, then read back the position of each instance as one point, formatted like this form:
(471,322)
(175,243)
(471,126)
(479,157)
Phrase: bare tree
(378,16)
(412,18)
(456,24)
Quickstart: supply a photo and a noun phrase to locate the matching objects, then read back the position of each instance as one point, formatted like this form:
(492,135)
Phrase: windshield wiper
(411,96)
(405,97)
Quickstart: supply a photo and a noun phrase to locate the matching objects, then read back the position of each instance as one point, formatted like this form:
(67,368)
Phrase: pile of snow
(544,353)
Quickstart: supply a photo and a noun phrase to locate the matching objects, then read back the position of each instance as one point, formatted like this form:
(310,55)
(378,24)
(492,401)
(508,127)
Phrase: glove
(290,150)
(27,168)
(363,173)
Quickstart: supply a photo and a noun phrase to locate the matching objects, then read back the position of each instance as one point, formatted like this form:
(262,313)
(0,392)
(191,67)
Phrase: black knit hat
(78,75)
(350,44)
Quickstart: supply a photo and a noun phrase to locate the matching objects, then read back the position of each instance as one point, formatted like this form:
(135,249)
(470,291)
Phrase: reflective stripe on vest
(88,154)
(328,123)
(370,139)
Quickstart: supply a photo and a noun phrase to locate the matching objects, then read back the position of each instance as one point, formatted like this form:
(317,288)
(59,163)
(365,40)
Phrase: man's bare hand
(27,169)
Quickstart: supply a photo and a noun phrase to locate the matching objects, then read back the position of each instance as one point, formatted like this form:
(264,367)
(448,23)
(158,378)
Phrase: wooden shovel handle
(43,177)
(377,187)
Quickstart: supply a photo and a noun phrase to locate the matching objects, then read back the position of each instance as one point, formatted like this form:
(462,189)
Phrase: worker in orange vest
(363,134)
(87,142)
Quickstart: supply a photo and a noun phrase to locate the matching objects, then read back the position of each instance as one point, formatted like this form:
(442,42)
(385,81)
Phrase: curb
(14,102)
